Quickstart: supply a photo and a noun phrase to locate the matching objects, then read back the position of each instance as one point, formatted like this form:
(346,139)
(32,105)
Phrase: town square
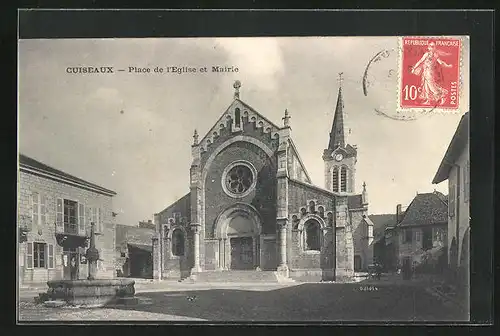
(268,190)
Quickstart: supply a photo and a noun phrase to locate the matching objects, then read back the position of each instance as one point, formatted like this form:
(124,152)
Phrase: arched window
(343,179)
(237,117)
(178,242)
(312,207)
(335,180)
(312,236)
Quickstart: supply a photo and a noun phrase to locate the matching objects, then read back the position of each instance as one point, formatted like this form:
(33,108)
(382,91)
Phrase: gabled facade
(455,168)
(252,206)
(423,227)
(55,211)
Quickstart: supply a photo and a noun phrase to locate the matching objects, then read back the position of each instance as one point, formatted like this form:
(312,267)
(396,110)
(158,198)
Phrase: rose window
(239,179)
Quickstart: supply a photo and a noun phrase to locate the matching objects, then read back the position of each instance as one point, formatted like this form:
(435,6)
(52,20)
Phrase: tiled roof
(456,147)
(426,209)
(355,201)
(38,167)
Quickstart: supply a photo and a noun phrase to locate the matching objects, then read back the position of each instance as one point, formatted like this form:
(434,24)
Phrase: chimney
(398,213)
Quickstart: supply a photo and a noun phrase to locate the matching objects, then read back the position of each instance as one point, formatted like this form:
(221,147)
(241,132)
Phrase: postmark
(430,69)
(418,76)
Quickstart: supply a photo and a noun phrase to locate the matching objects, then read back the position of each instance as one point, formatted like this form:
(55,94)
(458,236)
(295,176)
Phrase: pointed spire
(286,119)
(236,86)
(195,137)
(337,135)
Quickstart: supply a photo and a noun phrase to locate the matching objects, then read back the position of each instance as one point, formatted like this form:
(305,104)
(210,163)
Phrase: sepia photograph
(240,179)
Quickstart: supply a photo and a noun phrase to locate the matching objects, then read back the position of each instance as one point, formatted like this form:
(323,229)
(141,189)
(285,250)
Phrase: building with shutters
(251,204)
(55,211)
(422,229)
(455,168)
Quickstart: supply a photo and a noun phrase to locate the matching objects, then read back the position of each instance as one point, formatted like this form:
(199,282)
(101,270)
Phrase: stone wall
(45,233)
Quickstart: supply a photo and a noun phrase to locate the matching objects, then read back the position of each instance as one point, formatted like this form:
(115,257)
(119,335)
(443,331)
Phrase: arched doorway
(238,231)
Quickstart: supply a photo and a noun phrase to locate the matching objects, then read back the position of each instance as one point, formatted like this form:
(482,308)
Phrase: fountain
(90,292)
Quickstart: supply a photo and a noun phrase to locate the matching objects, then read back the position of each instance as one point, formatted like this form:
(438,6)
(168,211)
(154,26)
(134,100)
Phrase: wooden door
(241,253)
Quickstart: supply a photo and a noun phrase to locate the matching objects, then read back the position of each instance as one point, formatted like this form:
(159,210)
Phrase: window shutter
(88,219)
(59,215)
(35,208)
(94,219)
(101,221)
(43,210)
(29,255)
(50,256)
(335,179)
(81,219)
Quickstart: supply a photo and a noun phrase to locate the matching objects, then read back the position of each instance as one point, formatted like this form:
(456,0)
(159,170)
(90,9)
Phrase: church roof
(355,201)
(227,110)
(337,136)
(456,147)
(426,209)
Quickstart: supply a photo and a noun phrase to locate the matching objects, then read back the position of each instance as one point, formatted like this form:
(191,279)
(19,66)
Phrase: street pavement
(382,300)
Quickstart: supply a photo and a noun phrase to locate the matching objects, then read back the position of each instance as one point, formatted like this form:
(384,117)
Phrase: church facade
(252,205)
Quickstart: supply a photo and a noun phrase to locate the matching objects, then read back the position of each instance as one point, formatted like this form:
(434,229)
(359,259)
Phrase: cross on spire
(236,86)
(340,79)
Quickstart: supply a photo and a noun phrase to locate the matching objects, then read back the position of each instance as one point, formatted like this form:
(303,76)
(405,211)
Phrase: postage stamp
(430,73)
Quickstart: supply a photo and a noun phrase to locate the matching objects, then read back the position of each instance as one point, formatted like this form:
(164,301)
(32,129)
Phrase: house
(252,205)
(55,212)
(423,228)
(455,169)
(381,224)
(134,250)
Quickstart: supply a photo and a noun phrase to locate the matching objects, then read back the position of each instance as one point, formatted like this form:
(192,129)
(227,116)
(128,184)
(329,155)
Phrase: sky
(132,132)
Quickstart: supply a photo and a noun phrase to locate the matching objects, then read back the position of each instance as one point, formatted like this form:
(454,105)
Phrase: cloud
(259,60)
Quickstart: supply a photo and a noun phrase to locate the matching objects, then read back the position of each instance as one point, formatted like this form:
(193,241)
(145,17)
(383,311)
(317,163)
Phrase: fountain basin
(90,293)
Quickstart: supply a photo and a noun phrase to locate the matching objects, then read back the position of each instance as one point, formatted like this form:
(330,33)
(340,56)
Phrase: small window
(312,239)
(122,255)
(407,236)
(417,236)
(39,258)
(237,117)
(178,242)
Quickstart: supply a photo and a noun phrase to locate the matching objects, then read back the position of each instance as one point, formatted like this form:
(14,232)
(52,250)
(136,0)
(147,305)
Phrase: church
(252,206)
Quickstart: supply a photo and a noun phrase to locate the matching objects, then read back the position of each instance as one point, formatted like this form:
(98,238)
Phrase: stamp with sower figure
(430,73)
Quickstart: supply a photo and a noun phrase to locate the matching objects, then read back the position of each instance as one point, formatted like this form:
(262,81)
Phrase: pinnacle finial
(286,119)
(195,137)
(341,79)
(236,86)
(364,186)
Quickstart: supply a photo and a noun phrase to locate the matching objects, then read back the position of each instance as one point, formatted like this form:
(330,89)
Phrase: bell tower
(339,158)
